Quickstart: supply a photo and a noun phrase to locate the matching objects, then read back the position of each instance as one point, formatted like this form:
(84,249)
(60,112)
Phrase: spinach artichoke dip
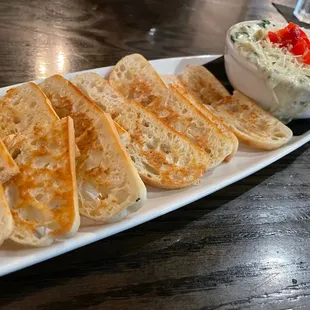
(282,55)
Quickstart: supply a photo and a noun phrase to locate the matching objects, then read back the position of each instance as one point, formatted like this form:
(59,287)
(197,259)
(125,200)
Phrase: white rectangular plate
(247,161)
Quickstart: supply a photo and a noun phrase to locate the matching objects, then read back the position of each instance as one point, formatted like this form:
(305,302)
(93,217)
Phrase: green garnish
(264,23)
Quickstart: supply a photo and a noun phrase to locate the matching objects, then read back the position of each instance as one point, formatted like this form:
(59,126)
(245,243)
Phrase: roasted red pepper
(273,37)
(300,47)
(293,38)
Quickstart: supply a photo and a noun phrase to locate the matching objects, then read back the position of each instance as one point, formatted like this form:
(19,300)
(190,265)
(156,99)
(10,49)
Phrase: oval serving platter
(247,161)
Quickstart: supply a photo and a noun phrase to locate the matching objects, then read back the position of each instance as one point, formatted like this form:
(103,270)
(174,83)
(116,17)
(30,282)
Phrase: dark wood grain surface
(244,247)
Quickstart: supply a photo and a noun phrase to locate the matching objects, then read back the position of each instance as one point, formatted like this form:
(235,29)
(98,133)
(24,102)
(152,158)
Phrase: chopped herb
(232,39)
(264,23)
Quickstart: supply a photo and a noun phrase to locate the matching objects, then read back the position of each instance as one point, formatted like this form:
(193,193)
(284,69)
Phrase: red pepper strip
(299,48)
(273,37)
(303,34)
(307,42)
(291,25)
(284,34)
(295,28)
(293,38)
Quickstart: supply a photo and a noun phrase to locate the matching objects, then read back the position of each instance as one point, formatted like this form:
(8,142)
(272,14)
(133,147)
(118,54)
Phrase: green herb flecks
(264,23)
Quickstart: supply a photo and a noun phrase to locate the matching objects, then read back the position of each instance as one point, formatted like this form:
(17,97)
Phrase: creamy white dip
(285,74)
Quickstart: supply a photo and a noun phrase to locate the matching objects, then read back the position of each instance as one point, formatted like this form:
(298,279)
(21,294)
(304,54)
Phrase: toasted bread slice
(23,108)
(109,184)
(250,123)
(163,157)
(6,219)
(8,167)
(136,79)
(205,110)
(43,196)
(203,84)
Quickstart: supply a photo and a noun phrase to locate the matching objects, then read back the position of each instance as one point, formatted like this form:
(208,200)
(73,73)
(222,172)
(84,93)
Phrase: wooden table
(246,246)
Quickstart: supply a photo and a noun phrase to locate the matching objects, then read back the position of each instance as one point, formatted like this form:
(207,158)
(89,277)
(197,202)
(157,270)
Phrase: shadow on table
(127,249)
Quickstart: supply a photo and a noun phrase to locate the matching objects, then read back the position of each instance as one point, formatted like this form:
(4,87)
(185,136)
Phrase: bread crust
(6,219)
(8,167)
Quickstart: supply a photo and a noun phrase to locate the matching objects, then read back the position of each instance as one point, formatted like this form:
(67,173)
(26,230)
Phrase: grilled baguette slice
(8,167)
(109,184)
(136,79)
(43,196)
(6,219)
(163,157)
(249,122)
(23,108)
(203,84)
(204,109)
